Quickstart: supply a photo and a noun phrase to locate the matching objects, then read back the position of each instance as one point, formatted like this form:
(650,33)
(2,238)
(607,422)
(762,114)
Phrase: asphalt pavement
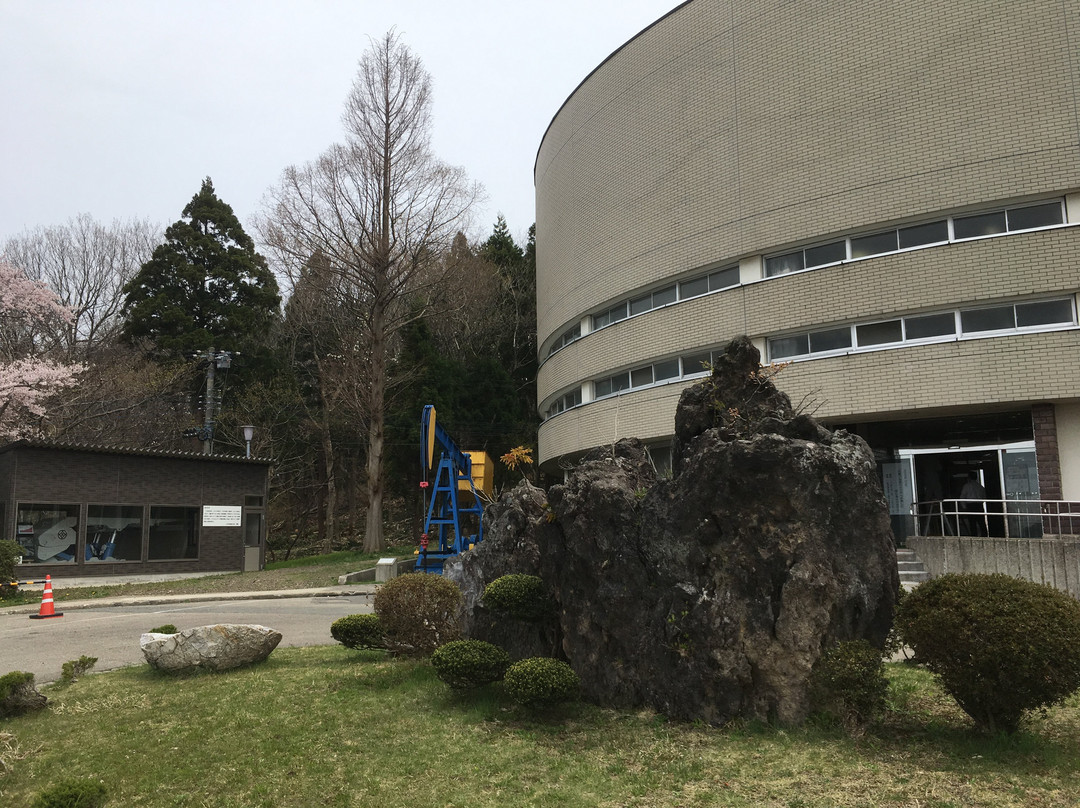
(109,628)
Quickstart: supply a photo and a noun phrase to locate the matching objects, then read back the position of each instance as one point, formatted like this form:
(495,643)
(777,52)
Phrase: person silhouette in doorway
(975,523)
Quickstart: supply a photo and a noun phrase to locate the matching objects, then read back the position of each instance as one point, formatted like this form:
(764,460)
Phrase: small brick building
(80,510)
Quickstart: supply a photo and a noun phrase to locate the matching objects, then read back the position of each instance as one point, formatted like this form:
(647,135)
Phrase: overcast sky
(119,108)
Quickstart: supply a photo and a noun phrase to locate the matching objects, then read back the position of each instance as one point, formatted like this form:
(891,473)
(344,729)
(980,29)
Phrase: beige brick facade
(733,129)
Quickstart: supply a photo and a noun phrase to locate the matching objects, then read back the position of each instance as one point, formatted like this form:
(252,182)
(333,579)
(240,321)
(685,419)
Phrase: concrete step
(912,571)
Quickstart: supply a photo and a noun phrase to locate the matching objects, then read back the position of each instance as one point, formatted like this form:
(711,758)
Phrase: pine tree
(204,287)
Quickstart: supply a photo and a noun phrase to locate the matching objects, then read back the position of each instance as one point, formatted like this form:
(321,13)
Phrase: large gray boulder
(711,594)
(216,648)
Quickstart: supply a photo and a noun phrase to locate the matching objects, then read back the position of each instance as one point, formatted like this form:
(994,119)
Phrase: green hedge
(542,682)
(517,595)
(466,664)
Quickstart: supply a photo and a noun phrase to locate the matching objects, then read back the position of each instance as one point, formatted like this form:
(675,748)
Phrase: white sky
(119,108)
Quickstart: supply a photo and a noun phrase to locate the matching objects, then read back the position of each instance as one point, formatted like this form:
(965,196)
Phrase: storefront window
(174,533)
(48,534)
(114,533)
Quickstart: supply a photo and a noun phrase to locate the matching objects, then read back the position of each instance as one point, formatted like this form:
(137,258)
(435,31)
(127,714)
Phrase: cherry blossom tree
(31,319)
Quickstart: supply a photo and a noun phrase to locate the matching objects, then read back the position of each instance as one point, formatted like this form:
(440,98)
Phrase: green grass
(301,573)
(326,726)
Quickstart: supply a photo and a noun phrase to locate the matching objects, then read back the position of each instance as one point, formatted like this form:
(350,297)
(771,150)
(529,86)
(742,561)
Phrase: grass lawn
(301,573)
(327,726)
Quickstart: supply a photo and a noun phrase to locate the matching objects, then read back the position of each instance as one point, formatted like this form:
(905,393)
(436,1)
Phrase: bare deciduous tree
(86,264)
(382,211)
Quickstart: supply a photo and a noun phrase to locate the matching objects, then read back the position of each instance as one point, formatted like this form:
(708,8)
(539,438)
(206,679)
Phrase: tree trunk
(373,533)
(330,533)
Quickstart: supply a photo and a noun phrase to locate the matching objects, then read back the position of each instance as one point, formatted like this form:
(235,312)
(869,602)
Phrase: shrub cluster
(73,669)
(466,664)
(72,794)
(1001,646)
(168,628)
(418,612)
(358,631)
(517,595)
(848,683)
(10,552)
(542,682)
(18,694)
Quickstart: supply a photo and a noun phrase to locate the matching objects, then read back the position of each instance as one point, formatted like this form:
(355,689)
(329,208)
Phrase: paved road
(111,633)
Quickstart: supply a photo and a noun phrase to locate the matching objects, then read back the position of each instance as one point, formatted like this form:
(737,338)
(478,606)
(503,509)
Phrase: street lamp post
(249,433)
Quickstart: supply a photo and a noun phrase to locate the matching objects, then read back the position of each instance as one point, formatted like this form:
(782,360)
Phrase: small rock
(215,648)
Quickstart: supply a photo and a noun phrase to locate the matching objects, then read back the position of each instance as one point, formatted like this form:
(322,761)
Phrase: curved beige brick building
(884,194)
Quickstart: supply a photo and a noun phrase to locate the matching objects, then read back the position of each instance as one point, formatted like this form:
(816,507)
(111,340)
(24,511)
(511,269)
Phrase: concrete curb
(203,597)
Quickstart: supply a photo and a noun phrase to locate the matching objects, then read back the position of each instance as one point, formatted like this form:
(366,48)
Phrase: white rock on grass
(217,648)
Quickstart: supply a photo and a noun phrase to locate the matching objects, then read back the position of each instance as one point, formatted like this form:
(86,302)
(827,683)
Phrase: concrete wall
(1067,417)
(1053,561)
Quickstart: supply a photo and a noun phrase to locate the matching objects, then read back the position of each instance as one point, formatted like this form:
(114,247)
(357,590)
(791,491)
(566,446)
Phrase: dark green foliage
(10,552)
(542,682)
(466,664)
(358,631)
(18,694)
(168,628)
(418,612)
(73,669)
(848,683)
(73,794)
(1000,645)
(516,595)
(204,287)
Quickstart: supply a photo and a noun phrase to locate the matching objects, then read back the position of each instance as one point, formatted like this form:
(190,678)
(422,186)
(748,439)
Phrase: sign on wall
(221,515)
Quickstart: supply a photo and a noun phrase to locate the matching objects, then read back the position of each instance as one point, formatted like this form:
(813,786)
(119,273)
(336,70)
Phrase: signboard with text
(221,515)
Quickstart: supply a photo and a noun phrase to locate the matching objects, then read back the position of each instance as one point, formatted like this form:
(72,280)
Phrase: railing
(1008,518)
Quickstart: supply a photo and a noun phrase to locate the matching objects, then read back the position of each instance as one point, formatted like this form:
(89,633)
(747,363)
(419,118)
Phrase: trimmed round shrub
(465,664)
(418,612)
(517,595)
(18,694)
(1001,646)
(358,631)
(848,683)
(542,682)
(72,794)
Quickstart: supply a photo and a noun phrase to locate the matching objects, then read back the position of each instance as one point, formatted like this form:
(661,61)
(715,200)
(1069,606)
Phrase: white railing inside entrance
(1008,518)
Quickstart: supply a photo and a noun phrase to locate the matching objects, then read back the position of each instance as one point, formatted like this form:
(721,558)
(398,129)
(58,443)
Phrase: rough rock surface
(216,648)
(709,595)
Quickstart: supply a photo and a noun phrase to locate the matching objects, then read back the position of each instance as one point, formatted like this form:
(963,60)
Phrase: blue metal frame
(444,510)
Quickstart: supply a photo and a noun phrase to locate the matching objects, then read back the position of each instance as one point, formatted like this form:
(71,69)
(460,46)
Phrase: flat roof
(30,443)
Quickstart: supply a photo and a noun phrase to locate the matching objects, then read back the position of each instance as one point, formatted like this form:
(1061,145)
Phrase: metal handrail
(1001,518)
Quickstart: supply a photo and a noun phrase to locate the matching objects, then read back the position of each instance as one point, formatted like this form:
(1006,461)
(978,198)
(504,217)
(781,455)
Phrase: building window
(565,402)
(48,533)
(114,533)
(174,533)
(565,338)
(612,384)
(612,315)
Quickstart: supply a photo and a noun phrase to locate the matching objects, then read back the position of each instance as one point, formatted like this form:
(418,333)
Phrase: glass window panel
(989,319)
(920,234)
(174,533)
(601,320)
(618,312)
(875,244)
(879,333)
(782,264)
(573,398)
(834,339)
(784,347)
(1035,216)
(47,533)
(931,325)
(573,334)
(641,377)
(696,363)
(826,253)
(640,305)
(620,381)
(1045,312)
(602,388)
(668,369)
(661,297)
(984,224)
(724,279)
(694,288)
(114,532)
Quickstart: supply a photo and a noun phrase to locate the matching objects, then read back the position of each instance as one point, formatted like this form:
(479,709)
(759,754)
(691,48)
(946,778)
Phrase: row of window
(926,234)
(49,533)
(924,327)
(565,402)
(683,290)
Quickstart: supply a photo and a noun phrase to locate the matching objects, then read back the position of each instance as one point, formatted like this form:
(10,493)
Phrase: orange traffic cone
(47,608)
